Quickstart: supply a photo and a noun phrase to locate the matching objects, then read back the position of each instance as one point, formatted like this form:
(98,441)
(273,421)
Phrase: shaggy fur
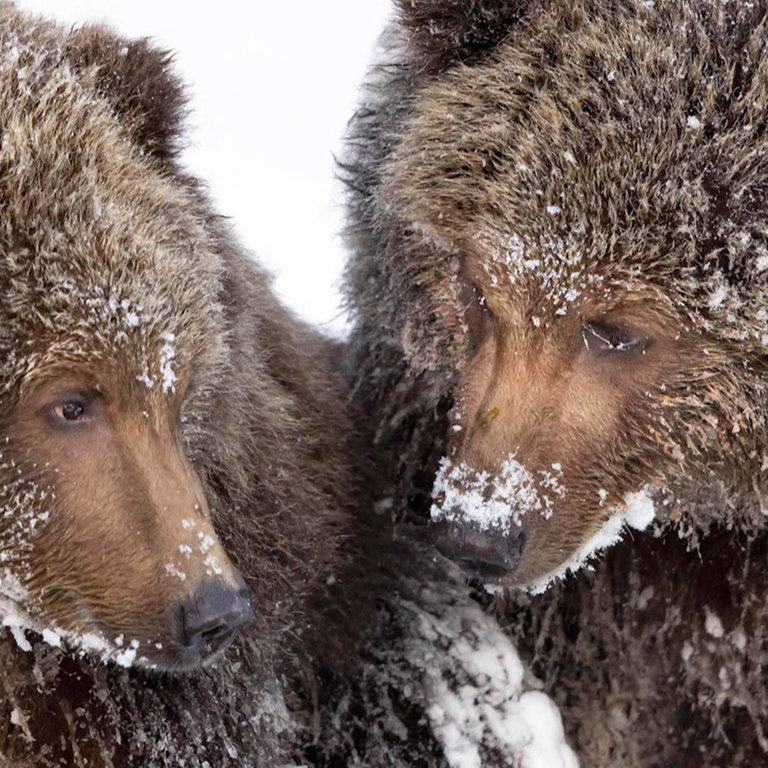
(110,251)
(521,172)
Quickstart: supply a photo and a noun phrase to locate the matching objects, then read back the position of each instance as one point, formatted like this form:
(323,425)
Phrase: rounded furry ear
(447,31)
(137,80)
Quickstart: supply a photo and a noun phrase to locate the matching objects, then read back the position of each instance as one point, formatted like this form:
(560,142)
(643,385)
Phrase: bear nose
(482,554)
(212,615)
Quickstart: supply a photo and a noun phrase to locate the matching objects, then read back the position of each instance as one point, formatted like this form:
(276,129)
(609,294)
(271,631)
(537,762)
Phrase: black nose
(482,554)
(211,617)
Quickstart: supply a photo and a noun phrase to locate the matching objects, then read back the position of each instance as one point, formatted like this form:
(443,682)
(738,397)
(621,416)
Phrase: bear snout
(210,618)
(482,554)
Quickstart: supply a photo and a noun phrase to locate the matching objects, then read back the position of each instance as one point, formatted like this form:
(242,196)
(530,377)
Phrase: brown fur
(211,423)
(522,179)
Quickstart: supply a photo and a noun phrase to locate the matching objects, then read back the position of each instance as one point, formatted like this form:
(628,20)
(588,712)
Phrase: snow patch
(51,638)
(550,261)
(128,656)
(692,123)
(213,566)
(18,620)
(496,501)
(172,570)
(167,357)
(718,296)
(712,624)
(479,695)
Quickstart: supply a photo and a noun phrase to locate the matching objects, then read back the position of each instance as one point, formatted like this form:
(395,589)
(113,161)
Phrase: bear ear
(137,80)
(447,31)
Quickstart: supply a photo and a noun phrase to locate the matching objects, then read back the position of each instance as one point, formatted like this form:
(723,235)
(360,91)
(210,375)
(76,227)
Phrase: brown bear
(558,283)
(173,465)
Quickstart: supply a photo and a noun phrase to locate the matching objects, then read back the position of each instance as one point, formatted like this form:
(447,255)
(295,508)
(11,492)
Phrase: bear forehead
(101,252)
(625,149)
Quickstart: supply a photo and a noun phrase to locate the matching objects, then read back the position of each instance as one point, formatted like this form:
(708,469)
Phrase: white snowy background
(272,85)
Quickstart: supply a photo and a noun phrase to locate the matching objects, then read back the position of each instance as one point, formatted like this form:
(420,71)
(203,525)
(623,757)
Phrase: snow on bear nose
(481,554)
(211,617)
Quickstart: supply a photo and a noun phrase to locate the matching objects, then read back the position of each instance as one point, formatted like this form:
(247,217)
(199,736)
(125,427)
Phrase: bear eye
(606,339)
(70,409)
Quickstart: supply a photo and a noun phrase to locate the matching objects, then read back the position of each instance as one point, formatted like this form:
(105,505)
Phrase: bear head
(111,336)
(565,205)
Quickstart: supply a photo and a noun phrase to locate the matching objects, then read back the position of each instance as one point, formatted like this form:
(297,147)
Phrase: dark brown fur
(523,175)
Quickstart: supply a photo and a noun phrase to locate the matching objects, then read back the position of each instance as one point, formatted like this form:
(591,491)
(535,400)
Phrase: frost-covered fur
(113,263)
(570,159)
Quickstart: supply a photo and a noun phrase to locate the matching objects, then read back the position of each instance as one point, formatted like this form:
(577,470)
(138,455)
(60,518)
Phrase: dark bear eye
(606,339)
(70,410)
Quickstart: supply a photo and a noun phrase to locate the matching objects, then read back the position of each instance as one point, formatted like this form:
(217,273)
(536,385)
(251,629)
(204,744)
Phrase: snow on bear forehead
(97,261)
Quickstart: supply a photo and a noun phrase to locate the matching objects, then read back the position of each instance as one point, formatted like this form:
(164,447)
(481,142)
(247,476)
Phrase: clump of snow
(479,696)
(167,356)
(126,657)
(18,620)
(172,570)
(19,636)
(718,296)
(693,123)
(213,565)
(553,210)
(713,625)
(185,550)
(128,313)
(645,597)
(496,501)
(739,638)
(51,637)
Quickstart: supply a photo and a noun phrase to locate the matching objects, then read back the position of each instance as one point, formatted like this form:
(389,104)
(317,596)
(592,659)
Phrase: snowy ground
(272,86)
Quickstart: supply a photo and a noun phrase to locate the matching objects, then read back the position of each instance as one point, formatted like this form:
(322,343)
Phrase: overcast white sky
(272,86)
